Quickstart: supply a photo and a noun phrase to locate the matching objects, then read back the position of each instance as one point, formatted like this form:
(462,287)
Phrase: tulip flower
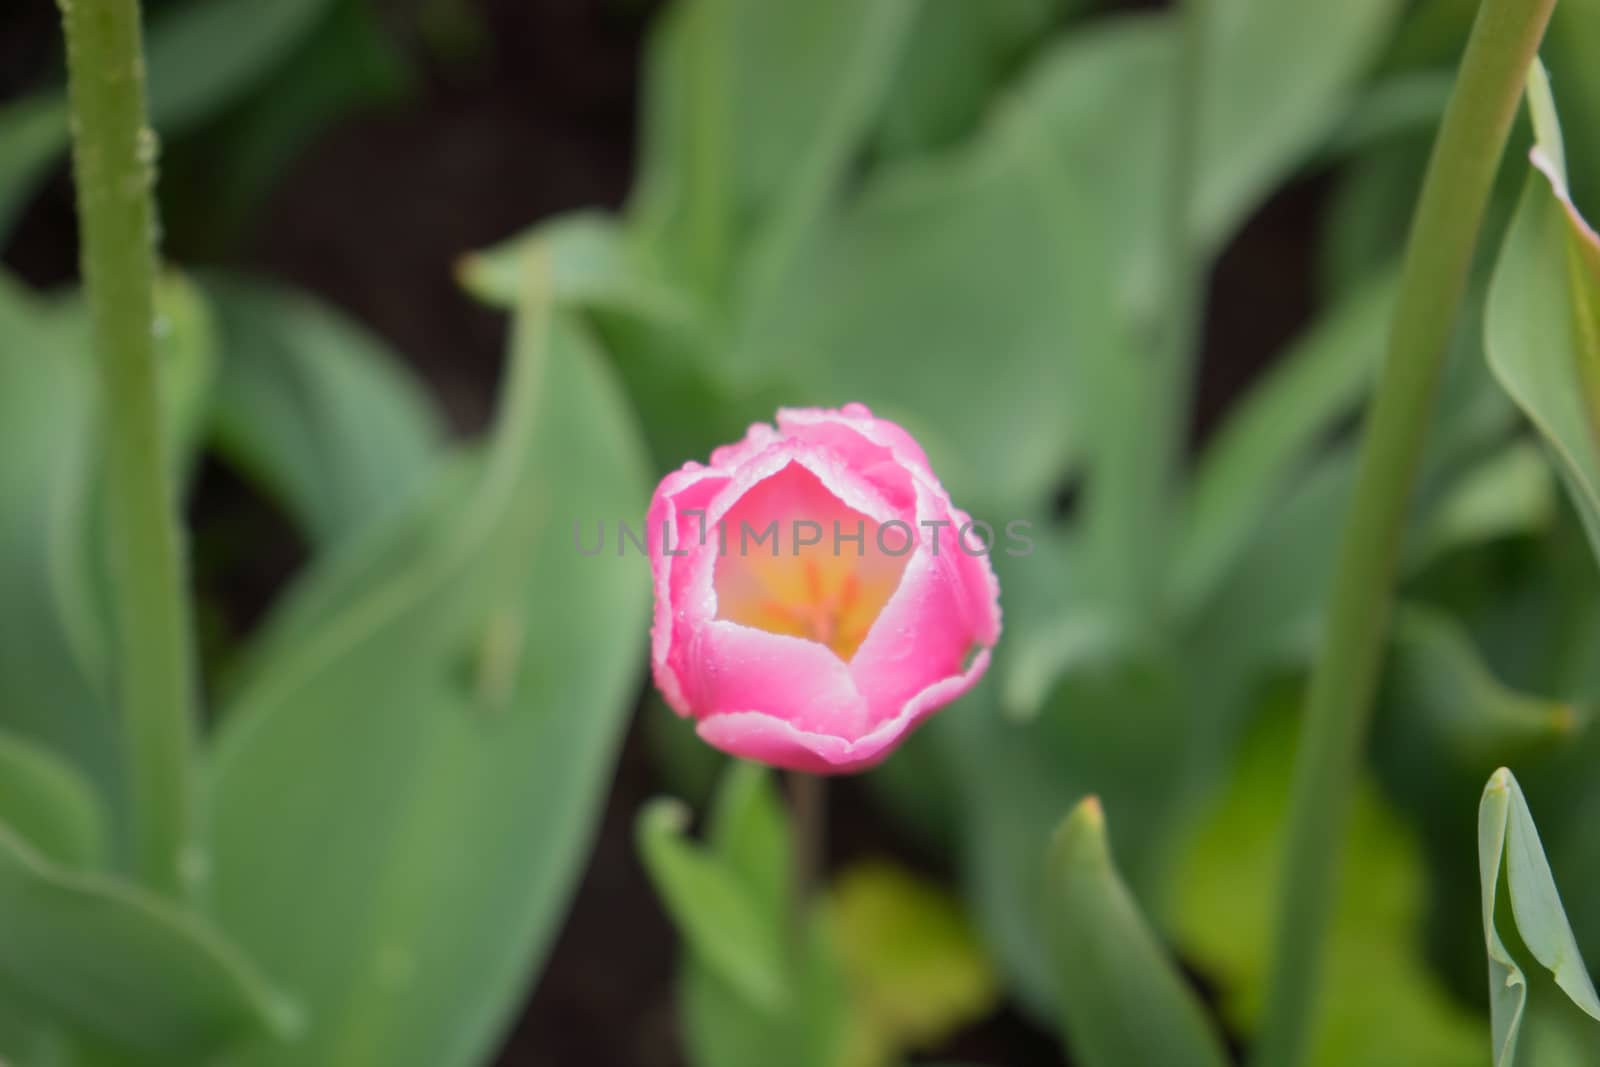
(817,594)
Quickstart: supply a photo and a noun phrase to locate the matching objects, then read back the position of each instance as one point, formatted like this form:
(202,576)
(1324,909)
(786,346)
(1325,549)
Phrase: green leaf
(1542,323)
(931,263)
(1276,77)
(749,831)
(1385,1007)
(1442,680)
(721,918)
(1510,493)
(1509,850)
(200,58)
(49,805)
(34,133)
(753,113)
(124,968)
(1123,1000)
(50,671)
(430,727)
(316,408)
(749,990)
(1273,434)
(958,53)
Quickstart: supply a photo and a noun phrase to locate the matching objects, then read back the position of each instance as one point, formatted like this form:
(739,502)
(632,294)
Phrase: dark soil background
(541,119)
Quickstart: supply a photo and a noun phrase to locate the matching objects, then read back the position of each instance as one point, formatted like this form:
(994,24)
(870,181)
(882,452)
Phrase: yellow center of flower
(823,599)
(804,583)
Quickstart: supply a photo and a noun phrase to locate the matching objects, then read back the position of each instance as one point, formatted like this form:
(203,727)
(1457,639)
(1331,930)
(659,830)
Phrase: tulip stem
(1444,233)
(113,165)
(808,802)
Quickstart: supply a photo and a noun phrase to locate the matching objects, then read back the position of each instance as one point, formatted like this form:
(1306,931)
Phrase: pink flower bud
(817,594)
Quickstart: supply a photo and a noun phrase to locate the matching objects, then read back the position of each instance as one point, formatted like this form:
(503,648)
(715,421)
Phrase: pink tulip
(820,647)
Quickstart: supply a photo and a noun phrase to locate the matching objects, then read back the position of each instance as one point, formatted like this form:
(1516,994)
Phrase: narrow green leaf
(49,805)
(124,968)
(1542,323)
(1274,433)
(720,918)
(1509,849)
(1123,1000)
(749,831)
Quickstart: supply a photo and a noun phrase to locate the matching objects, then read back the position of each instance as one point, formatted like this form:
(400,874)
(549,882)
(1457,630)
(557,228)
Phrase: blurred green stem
(808,803)
(113,158)
(1439,254)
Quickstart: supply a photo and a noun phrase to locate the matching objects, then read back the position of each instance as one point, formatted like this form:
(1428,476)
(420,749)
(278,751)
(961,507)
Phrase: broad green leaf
(447,717)
(957,54)
(1275,77)
(721,918)
(1542,324)
(126,969)
(1384,1006)
(49,806)
(200,57)
(1123,999)
(49,668)
(316,408)
(1509,852)
(958,295)
(53,665)
(916,970)
(753,113)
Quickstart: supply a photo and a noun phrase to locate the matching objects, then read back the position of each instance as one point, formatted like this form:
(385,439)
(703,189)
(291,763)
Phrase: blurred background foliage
(961,212)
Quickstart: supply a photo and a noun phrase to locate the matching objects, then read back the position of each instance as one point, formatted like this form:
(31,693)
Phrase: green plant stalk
(1444,233)
(113,154)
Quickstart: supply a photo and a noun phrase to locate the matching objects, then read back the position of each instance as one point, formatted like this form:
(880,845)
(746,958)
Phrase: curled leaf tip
(1500,781)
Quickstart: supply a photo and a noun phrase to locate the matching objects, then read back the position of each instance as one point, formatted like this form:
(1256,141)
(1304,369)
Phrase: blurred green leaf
(752,988)
(1274,432)
(721,919)
(200,57)
(317,409)
(432,733)
(214,184)
(749,830)
(1509,851)
(592,267)
(1276,77)
(1542,323)
(916,969)
(124,968)
(753,113)
(1123,1000)
(1472,717)
(33,131)
(49,624)
(1508,494)
(958,53)
(49,806)
(1385,1008)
